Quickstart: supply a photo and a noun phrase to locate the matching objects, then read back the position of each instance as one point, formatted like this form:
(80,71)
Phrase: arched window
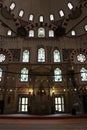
(2,57)
(24,75)
(31,17)
(21,13)
(86,27)
(56,54)
(0,74)
(81,58)
(57,75)
(12,6)
(25,56)
(31,33)
(9,33)
(41,18)
(41,55)
(51,33)
(61,13)
(70,6)
(51,17)
(73,32)
(83,73)
(41,32)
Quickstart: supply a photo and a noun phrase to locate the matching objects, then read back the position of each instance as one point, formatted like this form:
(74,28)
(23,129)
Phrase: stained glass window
(57,75)
(51,33)
(0,74)
(73,33)
(85,27)
(56,54)
(41,32)
(21,13)
(81,58)
(61,12)
(70,6)
(24,75)
(51,17)
(41,55)
(41,18)
(2,57)
(83,73)
(31,17)
(31,33)
(9,32)
(12,6)
(25,56)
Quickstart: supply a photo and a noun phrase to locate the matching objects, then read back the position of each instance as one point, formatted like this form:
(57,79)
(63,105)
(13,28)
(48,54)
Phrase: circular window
(2,57)
(81,58)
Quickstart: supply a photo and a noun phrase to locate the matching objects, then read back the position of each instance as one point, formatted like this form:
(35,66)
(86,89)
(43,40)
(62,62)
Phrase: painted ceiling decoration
(66,15)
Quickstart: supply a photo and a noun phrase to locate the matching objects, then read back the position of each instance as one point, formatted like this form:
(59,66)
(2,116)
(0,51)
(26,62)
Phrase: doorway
(85,103)
(23,104)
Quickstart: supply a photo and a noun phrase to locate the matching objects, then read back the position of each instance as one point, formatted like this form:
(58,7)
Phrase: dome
(65,18)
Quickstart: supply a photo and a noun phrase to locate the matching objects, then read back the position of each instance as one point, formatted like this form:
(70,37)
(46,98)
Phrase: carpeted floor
(44,124)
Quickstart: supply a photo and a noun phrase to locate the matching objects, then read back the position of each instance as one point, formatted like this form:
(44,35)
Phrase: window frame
(41,18)
(2,56)
(53,18)
(79,60)
(13,7)
(82,78)
(58,75)
(21,14)
(58,54)
(31,34)
(43,32)
(1,74)
(31,19)
(28,60)
(61,11)
(60,104)
(24,74)
(9,33)
(51,33)
(23,105)
(85,27)
(38,59)
(73,33)
(70,5)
